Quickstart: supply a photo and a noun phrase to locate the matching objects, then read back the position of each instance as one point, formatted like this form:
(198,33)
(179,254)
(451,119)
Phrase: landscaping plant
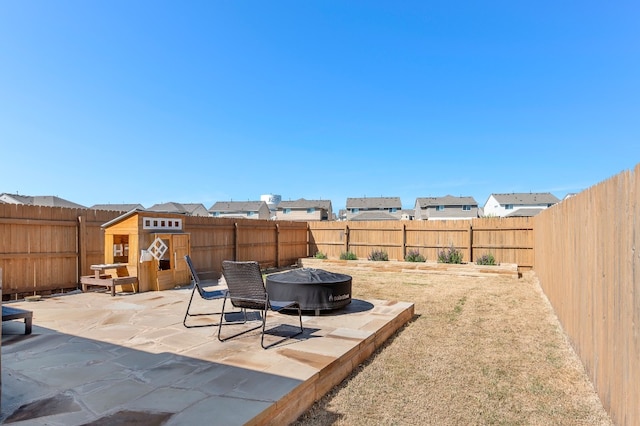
(348,256)
(451,255)
(486,259)
(414,256)
(378,255)
(320,255)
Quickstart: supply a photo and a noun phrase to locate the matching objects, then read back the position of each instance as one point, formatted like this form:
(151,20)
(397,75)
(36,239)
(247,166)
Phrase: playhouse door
(172,269)
(181,249)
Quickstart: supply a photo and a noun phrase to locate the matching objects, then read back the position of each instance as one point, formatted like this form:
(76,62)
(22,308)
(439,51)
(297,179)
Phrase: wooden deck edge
(302,398)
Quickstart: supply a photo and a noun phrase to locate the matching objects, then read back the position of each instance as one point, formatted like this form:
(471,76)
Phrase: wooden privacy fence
(47,249)
(509,240)
(44,250)
(587,258)
(271,243)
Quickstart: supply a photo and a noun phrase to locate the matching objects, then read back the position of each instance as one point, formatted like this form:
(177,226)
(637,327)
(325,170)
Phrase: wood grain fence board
(587,260)
(40,246)
(510,240)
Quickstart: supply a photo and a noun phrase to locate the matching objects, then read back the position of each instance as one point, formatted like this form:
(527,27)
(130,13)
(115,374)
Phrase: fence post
(308,240)
(404,241)
(235,242)
(470,243)
(277,245)
(81,248)
(346,238)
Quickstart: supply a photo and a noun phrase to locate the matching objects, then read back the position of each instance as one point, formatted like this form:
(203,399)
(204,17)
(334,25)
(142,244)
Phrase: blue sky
(204,101)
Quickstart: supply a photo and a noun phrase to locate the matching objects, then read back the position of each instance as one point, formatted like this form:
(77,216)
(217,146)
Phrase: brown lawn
(479,351)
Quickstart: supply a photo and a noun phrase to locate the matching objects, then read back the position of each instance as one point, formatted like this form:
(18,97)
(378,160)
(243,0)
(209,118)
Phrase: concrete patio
(96,359)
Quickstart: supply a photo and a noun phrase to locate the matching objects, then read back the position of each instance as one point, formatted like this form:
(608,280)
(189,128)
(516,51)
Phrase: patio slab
(97,359)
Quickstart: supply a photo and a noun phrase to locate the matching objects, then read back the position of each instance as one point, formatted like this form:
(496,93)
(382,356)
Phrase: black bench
(9,313)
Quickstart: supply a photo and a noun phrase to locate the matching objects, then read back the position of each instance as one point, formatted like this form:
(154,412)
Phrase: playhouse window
(120,248)
(161,223)
(164,264)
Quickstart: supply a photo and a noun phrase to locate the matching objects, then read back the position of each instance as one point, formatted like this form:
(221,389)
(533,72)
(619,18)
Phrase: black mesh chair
(246,290)
(206,295)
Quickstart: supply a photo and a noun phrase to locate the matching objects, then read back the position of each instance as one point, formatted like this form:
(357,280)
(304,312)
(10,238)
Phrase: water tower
(272,201)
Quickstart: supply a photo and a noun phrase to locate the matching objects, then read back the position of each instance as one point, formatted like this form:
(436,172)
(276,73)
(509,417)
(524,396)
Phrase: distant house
(191,209)
(390,205)
(117,207)
(407,214)
(518,204)
(39,200)
(304,210)
(241,209)
(446,208)
(375,215)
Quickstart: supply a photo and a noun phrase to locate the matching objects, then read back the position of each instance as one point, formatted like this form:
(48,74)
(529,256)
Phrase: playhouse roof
(135,212)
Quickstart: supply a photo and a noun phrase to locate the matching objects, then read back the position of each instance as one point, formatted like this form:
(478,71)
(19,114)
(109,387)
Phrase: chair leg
(264,325)
(188,314)
(300,318)
(232,323)
(264,322)
(184,321)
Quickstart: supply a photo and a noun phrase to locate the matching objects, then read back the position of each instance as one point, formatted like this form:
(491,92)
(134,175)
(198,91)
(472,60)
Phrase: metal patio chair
(206,295)
(246,290)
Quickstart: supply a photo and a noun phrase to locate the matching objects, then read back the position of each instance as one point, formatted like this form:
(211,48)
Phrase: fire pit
(314,289)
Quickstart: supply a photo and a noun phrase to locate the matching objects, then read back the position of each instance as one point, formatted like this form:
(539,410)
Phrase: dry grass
(478,351)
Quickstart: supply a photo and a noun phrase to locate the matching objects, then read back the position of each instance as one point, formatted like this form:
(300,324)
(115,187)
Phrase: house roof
(169,207)
(528,212)
(237,206)
(41,200)
(193,207)
(117,207)
(374,203)
(375,215)
(172,207)
(447,200)
(305,204)
(130,213)
(526,198)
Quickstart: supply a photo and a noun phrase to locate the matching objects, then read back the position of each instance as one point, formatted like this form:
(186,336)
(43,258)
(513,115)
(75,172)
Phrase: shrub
(378,255)
(348,256)
(320,255)
(414,256)
(451,255)
(486,259)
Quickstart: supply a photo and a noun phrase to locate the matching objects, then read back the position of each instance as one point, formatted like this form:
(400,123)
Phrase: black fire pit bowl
(314,289)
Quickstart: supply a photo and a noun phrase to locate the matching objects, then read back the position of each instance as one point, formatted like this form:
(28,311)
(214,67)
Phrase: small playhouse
(143,251)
